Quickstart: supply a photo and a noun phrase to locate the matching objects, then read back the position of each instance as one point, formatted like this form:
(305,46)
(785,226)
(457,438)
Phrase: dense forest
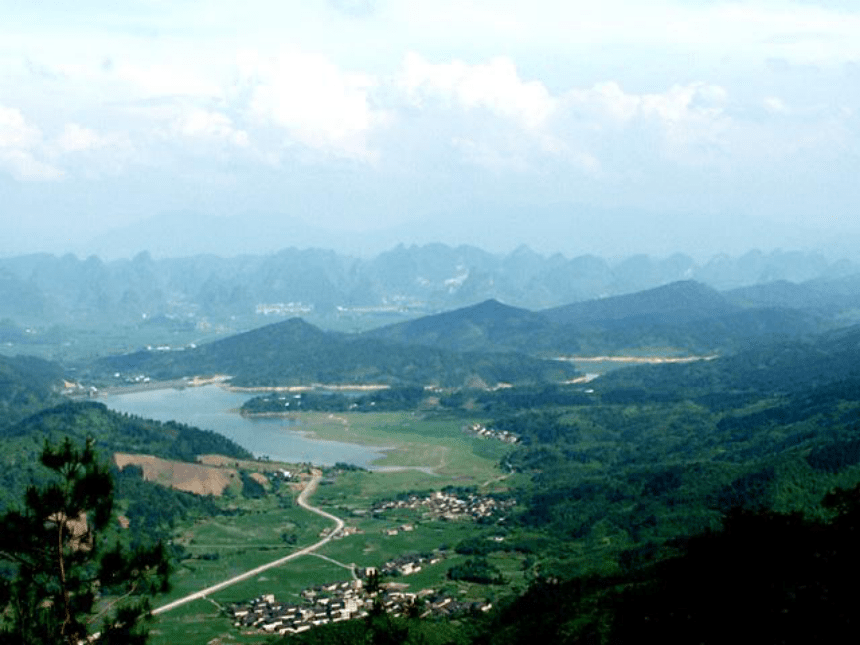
(720,507)
(759,577)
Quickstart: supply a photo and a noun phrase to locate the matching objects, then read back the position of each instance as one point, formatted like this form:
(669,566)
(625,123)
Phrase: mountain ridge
(341,291)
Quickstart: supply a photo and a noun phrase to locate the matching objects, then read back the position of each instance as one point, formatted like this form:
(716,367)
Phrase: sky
(612,127)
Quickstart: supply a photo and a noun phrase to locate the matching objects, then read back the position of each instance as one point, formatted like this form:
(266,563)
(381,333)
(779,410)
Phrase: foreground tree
(60,581)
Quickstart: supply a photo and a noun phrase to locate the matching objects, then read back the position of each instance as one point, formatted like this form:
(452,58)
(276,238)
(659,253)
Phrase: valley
(479,459)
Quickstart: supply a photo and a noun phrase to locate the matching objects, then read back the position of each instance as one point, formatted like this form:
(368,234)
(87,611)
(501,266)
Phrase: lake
(214,408)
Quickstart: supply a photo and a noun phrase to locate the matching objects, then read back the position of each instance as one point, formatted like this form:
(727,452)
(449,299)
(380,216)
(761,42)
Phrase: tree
(372,582)
(61,581)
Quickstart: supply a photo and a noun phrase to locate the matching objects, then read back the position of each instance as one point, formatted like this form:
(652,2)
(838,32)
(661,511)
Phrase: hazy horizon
(189,127)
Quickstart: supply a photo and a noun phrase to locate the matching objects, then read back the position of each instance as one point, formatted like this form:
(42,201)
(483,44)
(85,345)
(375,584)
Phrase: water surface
(214,408)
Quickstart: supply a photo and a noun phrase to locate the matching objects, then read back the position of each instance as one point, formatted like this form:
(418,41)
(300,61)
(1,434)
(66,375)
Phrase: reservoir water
(214,408)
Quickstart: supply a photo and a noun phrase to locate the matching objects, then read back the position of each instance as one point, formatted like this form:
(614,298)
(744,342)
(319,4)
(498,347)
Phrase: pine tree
(60,581)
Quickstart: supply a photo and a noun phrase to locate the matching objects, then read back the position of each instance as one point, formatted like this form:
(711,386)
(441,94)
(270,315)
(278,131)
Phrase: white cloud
(775,105)
(15,132)
(494,86)
(158,80)
(202,124)
(688,121)
(19,145)
(26,167)
(678,103)
(315,101)
(586,128)
(76,138)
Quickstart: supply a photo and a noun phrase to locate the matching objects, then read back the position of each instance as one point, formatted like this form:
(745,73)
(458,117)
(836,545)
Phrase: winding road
(303,502)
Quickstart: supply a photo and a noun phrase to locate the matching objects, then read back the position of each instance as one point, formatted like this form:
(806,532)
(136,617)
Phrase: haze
(575,127)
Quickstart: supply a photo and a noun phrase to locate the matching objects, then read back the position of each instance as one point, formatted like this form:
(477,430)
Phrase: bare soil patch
(260,479)
(193,478)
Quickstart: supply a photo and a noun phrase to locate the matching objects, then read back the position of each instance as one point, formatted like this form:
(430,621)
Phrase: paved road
(303,502)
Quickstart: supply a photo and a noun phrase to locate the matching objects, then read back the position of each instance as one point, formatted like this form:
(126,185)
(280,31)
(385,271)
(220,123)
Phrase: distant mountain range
(492,343)
(341,292)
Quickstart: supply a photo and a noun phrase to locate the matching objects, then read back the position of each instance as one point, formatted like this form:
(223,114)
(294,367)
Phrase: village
(406,565)
(448,506)
(481,430)
(342,601)
(360,597)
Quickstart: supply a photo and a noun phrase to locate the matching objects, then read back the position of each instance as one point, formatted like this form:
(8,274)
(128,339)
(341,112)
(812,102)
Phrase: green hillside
(294,352)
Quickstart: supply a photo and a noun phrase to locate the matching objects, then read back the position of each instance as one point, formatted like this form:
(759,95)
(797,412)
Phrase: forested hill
(676,302)
(26,385)
(775,368)
(752,454)
(112,432)
(687,316)
(294,352)
(485,343)
(490,325)
(649,454)
(683,317)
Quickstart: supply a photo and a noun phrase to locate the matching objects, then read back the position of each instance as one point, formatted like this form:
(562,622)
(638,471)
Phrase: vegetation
(111,432)
(154,511)
(26,383)
(295,353)
(391,399)
(476,570)
(62,579)
(651,501)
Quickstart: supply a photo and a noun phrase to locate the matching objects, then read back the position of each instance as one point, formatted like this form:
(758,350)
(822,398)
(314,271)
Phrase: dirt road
(303,502)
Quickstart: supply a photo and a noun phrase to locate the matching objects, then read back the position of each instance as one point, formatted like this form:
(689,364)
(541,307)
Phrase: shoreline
(307,388)
(284,423)
(221,380)
(645,360)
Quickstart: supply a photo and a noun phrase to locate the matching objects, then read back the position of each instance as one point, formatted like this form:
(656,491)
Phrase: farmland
(422,455)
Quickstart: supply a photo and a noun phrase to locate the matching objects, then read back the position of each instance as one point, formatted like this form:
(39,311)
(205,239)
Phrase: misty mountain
(488,326)
(295,352)
(676,302)
(19,298)
(783,293)
(686,316)
(343,292)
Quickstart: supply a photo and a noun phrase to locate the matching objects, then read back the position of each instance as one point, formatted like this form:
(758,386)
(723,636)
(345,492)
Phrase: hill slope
(489,325)
(27,384)
(297,353)
(676,302)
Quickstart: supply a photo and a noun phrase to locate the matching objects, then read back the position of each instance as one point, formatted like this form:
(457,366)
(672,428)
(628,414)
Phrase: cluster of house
(491,433)
(283,309)
(132,379)
(342,601)
(404,528)
(408,564)
(346,531)
(73,388)
(448,506)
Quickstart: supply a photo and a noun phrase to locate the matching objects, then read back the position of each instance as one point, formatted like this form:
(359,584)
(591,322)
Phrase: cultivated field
(425,455)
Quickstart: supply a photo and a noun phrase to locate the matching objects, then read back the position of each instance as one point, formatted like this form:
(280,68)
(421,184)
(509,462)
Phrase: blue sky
(574,127)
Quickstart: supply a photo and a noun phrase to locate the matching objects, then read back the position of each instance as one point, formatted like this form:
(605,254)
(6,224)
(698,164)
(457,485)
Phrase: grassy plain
(423,454)
(412,440)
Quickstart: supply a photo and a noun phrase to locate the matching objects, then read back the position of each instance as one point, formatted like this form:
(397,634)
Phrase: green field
(415,441)
(224,546)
